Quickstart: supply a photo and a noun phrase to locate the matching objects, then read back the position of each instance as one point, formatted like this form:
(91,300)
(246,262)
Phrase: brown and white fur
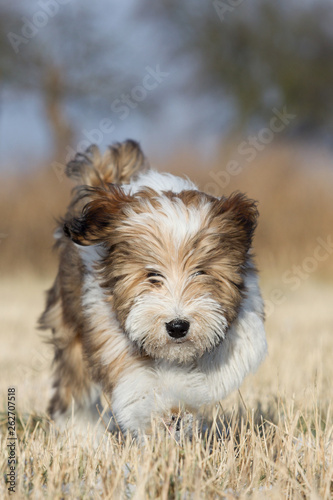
(156,301)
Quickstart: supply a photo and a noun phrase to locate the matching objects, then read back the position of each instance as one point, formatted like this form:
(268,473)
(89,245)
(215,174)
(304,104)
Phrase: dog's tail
(118,164)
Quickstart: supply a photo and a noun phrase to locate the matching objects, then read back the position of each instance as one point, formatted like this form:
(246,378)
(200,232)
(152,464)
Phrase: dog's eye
(153,275)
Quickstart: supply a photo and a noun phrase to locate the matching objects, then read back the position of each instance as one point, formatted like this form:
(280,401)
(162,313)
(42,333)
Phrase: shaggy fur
(156,298)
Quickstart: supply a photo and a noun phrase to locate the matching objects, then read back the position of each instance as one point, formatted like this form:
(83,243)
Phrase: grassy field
(273,441)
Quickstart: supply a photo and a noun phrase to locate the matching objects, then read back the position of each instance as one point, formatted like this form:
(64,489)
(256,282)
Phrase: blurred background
(234,94)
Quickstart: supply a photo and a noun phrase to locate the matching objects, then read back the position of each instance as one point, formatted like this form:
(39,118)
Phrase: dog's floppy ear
(237,216)
(95,223)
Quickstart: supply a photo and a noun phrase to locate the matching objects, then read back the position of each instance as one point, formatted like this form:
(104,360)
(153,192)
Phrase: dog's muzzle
(177,328)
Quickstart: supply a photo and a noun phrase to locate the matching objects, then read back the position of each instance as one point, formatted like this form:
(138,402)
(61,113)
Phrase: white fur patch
(159,182)
(177,221)
(90,255)
(99,315)
(241,351)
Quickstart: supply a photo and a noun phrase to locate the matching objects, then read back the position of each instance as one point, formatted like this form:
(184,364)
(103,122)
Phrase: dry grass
(280,446)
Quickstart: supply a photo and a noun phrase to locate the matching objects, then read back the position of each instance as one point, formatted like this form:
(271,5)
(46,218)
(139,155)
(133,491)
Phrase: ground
(275,437)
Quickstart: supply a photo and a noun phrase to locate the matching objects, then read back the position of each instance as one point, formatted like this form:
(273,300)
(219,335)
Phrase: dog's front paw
(179,424)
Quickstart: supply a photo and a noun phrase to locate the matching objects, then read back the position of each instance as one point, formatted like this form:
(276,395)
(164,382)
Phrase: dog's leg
(71,375)
(73,386)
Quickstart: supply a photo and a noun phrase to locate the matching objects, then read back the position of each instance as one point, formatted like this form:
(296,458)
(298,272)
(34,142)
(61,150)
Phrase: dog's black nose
(177,328)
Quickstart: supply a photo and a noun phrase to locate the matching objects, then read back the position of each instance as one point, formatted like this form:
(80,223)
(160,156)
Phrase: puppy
(156,301)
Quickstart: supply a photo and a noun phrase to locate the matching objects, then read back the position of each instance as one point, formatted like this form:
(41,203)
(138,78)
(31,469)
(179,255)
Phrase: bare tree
(67,63)
(255,56)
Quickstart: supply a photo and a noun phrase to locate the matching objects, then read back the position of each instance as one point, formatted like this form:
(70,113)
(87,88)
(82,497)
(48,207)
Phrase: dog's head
(173,264)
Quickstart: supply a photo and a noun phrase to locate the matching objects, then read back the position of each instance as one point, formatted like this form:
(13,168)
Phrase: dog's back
(63,312)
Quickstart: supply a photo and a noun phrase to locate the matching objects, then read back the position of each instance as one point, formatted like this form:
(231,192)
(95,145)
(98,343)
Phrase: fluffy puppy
(156,301)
